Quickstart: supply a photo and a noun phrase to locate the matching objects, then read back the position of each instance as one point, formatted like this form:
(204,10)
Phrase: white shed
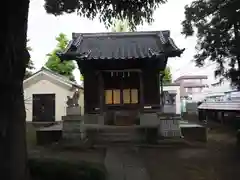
(45,94)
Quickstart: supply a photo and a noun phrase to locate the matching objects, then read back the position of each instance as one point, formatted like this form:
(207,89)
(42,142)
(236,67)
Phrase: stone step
(117,135)
(116,139)
(117,130)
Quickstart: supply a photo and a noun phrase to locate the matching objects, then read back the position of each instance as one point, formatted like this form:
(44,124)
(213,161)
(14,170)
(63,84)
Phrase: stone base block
(149,119)
(73,110)
(72,125)
(73,118)
(73,129)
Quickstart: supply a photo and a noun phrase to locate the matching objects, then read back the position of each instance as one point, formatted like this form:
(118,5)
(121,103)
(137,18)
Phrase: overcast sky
(43,28)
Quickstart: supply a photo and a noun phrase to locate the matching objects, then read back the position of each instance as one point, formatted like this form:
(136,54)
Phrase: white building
(45,94)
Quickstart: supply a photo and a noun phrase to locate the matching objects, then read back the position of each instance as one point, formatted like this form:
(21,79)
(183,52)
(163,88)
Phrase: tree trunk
(14,58)
(236,28)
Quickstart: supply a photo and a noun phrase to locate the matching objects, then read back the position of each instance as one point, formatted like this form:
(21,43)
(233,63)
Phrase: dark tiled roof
(127,45)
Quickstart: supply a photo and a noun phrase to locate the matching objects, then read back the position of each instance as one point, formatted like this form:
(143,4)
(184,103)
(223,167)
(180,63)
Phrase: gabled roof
(120,45)
(191,77)
(60,78)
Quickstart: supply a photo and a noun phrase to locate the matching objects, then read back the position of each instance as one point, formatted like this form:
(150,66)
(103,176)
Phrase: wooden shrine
(122,79)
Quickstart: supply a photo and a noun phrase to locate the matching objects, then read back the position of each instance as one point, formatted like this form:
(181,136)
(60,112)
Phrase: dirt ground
(218,160)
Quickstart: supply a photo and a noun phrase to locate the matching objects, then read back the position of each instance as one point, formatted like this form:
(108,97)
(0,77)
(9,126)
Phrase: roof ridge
(136,33)
(132,45)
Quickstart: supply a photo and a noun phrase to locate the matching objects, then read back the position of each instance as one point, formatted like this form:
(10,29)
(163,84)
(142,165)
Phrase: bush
(49,169)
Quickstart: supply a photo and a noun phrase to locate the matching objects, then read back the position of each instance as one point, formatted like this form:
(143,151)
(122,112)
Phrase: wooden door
(43,108)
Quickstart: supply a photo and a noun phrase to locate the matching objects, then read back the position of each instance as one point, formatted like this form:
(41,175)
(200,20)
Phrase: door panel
(43,108)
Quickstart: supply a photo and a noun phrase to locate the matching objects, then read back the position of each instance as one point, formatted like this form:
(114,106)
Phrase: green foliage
(54,63)
(218,31)
(30,65)
(108,10)
(167,79)
(81,78)
(121,26)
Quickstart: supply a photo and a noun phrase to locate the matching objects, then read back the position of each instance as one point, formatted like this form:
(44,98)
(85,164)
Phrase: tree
(30,65)
(14,60)
(121,26)
(15,57)
(54,63)
(167,79)
(108,11)
(218,31)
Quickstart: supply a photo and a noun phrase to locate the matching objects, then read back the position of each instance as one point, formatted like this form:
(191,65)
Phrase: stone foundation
(73,124)
(167,125)
(149,119)
(73,110)
(73,129)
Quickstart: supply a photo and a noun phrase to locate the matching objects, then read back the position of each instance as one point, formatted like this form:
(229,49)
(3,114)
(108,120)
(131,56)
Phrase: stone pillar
(73,111)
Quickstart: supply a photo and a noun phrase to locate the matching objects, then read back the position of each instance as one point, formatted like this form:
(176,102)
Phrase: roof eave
(176,53)
(68,56)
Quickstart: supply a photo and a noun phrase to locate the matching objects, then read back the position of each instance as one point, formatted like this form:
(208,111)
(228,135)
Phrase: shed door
(43,109)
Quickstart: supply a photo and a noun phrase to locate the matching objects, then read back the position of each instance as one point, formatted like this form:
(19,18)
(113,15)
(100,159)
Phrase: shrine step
(120,134)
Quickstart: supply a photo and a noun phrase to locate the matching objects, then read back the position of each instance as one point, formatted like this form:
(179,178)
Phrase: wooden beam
(161,91)
(101,93)
(141,91)
(124,70)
